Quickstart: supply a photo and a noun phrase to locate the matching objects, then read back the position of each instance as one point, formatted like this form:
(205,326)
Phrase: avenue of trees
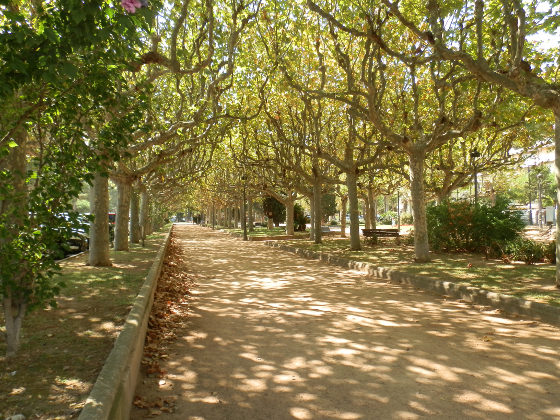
(213,104)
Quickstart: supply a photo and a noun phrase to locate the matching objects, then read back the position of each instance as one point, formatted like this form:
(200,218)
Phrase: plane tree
(506,53)
(414,100)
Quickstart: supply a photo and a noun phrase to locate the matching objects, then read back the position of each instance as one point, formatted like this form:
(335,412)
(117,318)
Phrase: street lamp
(530,198)
(540,212)
(399,210)
(244,218)
(475,154)
(213,216)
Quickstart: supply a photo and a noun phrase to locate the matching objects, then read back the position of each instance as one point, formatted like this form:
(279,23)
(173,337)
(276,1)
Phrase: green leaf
(51,35)
(12,144)
(70,69)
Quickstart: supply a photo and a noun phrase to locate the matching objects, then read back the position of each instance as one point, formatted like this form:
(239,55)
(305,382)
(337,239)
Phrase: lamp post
(213,216)
(530,198)
(244,218)
(475,154)
(540,211)
(399,210)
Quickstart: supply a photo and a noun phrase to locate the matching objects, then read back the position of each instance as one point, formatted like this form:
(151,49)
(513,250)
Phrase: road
(275,336)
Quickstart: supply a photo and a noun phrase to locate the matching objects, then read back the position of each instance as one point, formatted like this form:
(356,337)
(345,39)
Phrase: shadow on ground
(275,336)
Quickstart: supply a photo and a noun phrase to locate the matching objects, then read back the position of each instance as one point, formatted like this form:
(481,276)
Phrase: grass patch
(262,232)
(531,282)
(63,349)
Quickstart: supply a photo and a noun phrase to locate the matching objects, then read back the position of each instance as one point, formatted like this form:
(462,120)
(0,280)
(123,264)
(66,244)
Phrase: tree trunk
(99,228)
(270,223)
(318,216)
(134,217)
(289,215)
(421,246)
(14,312)
(250,215)
(367,211)
(372,208)
(557,170)
(351,179)
(14,209)
(343,205)
(144,207)
(124,188)
(236,213)
(312,221)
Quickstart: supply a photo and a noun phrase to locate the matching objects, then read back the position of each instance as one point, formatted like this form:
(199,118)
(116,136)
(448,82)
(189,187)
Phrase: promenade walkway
(273,336)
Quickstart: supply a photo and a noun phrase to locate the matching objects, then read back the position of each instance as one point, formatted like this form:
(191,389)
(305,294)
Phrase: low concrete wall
(112,394)
(509,304)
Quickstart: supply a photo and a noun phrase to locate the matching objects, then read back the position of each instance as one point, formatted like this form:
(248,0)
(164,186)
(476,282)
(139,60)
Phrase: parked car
(71,235)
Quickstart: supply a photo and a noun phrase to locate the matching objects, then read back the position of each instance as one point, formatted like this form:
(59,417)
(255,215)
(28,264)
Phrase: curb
(113,391)
(509,304)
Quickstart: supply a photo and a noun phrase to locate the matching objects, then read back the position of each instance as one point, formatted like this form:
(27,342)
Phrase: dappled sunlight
(271,335)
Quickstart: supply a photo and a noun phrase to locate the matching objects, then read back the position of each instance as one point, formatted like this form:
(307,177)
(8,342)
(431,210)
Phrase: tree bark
(351,179)
(367,211)
(289,203)
(372,208)
(134,217)
(144,208)
(14,209)
(99,228)
(312,221)
(421,246)
(270,223)
(343,205)
(317,207)
(124,188)
(14,312)
(236,213)
(557,168)
(250,216)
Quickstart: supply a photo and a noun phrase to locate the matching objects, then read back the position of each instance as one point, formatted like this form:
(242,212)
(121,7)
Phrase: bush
(462,226)
(276,208)
(300,219)
(406,218)
(334,223)
(550,252)
(387,217)
(526,250)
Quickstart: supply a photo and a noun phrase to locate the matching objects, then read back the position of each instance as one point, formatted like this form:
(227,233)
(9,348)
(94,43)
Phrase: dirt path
(275,336)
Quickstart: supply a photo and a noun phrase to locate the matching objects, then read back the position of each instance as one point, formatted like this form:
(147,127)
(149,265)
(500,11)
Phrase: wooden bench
(373,234)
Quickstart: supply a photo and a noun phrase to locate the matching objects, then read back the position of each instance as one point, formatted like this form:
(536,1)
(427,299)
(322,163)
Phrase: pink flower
(131,5)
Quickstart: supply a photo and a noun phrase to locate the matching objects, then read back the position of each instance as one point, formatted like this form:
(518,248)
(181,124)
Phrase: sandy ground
(275,336)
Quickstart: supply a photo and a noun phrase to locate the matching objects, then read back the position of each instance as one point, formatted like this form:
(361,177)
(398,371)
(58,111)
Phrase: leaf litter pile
(169,313)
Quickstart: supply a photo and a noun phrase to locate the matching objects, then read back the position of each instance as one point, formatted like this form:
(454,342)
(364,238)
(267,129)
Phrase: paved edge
(507,303)
(113,391)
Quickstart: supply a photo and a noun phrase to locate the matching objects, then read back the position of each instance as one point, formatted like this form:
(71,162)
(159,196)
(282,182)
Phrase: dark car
(71,234)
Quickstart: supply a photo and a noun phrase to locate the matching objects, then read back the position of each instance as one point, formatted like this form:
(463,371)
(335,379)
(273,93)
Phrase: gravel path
(274,336)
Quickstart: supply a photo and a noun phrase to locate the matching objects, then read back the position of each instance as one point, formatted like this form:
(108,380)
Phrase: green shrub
(334,223)
(387,217)
(462,226)
(300,219)
(526,250)
(406,218)
(550,252)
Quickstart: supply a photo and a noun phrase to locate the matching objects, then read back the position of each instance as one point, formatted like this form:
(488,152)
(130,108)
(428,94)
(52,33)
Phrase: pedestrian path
(275,336)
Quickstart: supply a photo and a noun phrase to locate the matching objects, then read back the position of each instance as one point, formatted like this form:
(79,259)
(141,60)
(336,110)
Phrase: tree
(48,51)
(328,205)
(500,54)
(275,210)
